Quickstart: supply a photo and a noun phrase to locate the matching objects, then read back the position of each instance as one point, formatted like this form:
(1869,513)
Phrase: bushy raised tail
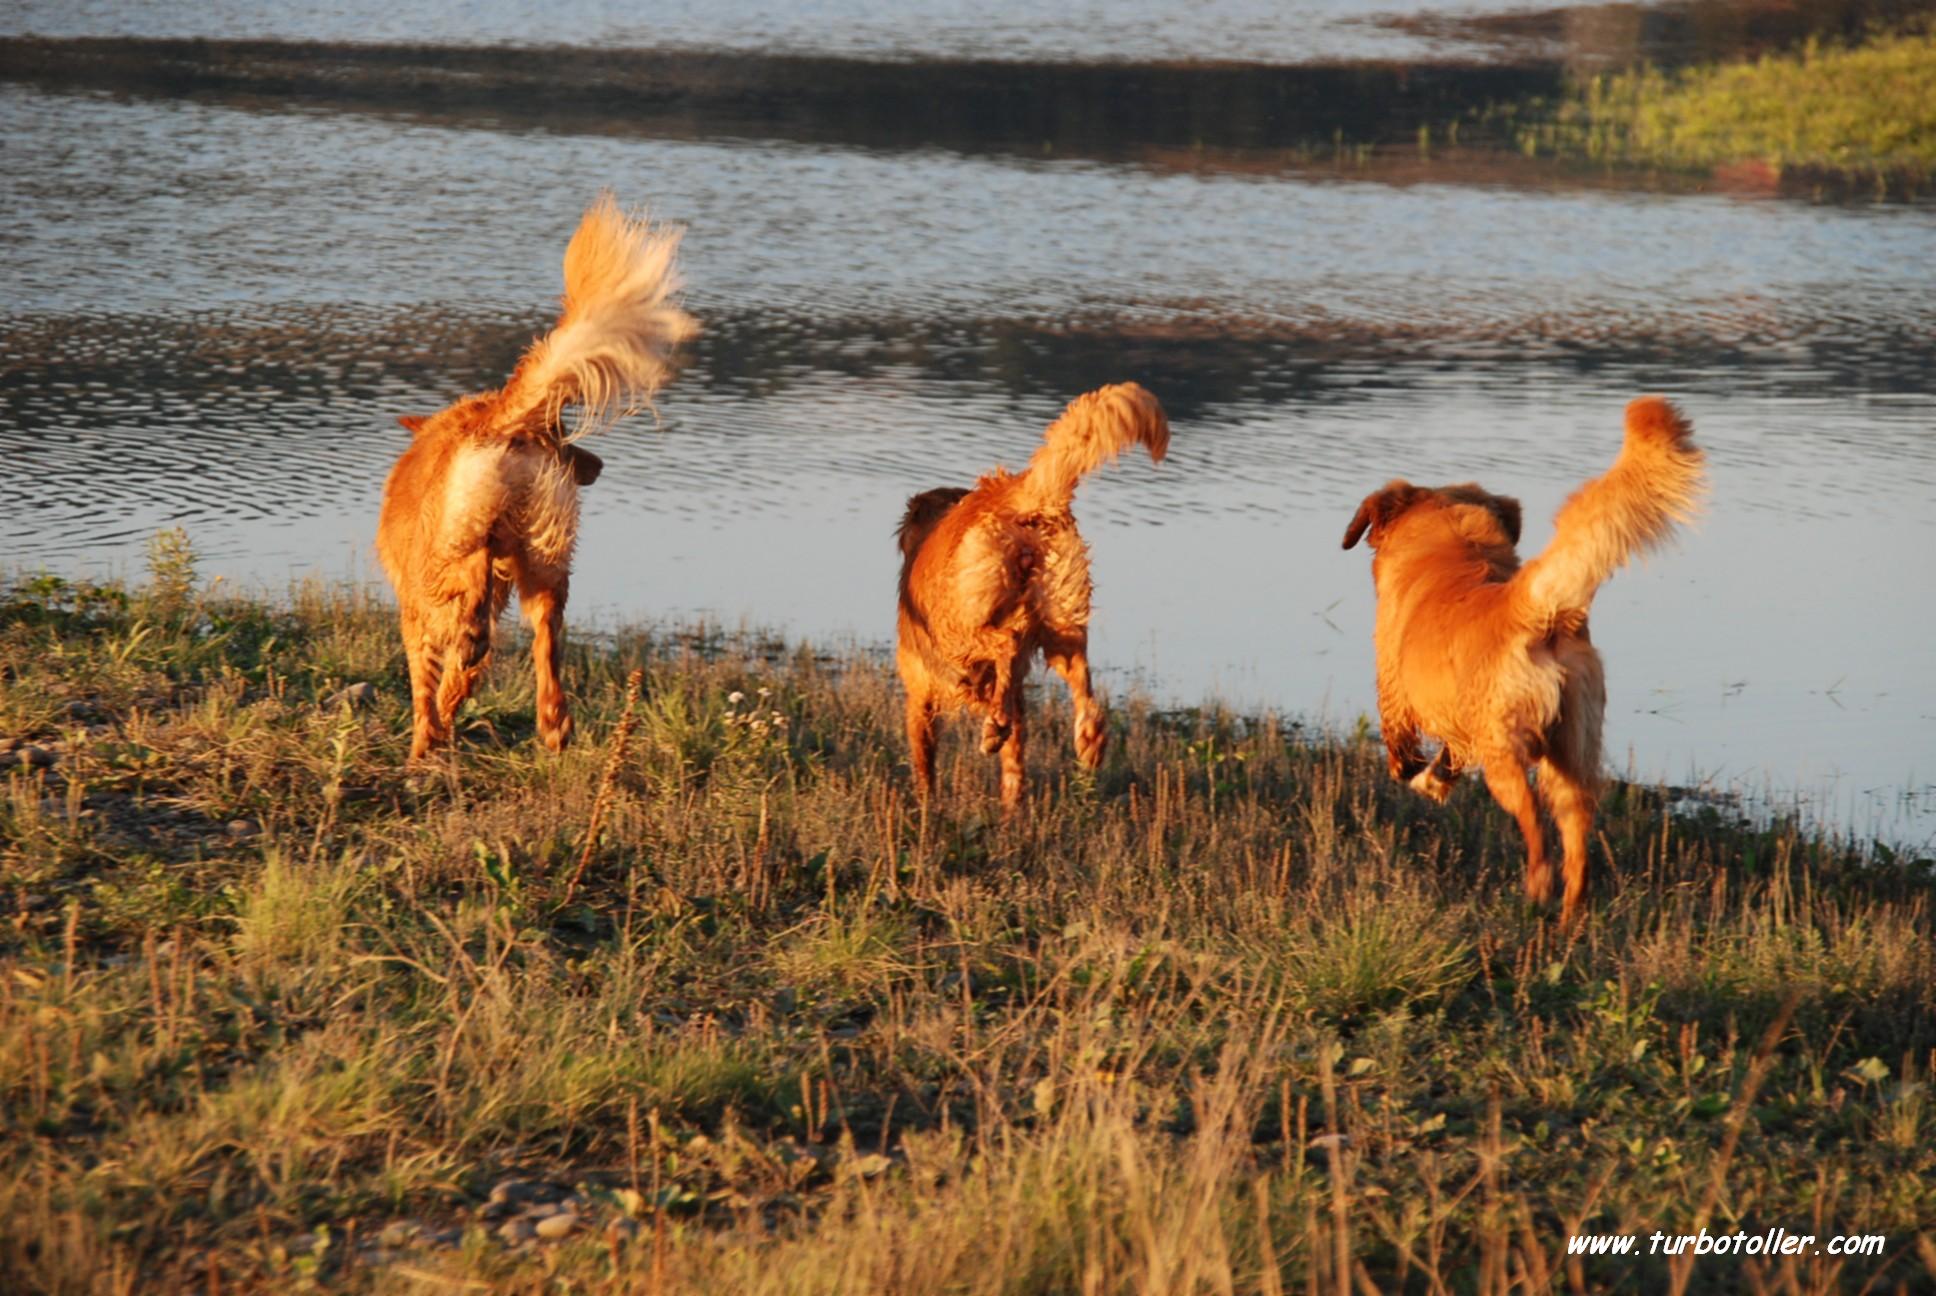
(1094,429)
(1657,481)
(612,346)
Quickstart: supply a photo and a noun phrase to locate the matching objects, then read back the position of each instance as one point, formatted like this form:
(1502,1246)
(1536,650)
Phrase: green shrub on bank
(1867,110)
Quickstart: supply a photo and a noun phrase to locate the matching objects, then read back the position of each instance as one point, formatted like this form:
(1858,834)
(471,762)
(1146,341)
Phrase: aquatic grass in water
(1237,1014)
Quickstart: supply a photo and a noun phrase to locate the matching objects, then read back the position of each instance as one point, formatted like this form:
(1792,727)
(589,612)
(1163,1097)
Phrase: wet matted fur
(486,498)
(990,576)
(1492,658)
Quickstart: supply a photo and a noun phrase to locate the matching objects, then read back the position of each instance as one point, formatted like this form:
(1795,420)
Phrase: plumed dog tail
(1657,481)
(1094,429)
(612,347)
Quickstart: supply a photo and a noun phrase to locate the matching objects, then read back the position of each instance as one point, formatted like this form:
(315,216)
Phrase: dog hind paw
(556,735)
(1092,738)
(1539,884)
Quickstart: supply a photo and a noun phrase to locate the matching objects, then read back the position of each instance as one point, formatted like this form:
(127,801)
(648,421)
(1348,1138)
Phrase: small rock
(545,1210)
(442,1238)
(517,1231)
(32,755)
(866,1167)
(359,694)
(240,828)
(398,1233)
(553,1227)
(523,1192)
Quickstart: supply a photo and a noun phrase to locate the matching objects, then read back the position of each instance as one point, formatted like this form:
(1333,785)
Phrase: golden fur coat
(991,576)
(485,500)
(1492,658)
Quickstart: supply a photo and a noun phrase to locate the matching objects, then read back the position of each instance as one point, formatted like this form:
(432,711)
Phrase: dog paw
(994,733)
(1431,783)
(1092,737)
(1539,884)
(557,734)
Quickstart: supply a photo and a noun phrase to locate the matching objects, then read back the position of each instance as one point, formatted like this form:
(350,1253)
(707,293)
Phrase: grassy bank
(1860,115)
(1233,1016)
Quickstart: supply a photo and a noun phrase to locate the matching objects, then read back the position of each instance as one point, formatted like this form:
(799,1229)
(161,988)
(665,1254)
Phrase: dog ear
(585,466)
(1359,521)
(1506,509)
(923,512)
(413,422)
(1380,509)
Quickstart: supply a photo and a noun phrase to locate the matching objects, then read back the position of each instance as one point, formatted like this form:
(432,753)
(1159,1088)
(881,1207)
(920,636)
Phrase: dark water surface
(1091,30)
(211,313)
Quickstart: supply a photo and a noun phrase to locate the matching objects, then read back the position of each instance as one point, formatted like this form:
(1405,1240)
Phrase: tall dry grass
(1232,1016)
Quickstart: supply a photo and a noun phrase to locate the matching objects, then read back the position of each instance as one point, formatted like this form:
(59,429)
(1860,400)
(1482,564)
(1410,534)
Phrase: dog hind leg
(542,602)
(1069,658)
(473,600)
(1573,802)
(920,734)
(425,659)
(1506,779)
(1000,649)
(1012,752)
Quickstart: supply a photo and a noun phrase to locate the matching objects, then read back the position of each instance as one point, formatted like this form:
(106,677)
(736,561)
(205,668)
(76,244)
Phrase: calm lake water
(212,309)
(1260,30)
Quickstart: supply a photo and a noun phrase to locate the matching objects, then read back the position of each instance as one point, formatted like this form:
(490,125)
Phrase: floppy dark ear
(585,466)
(1359,521)
(413,422)
(1506,509)
(923,512)
(1379,510)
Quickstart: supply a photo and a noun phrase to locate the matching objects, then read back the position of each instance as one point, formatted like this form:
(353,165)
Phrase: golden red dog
(991,576)
(486,498)
(1492,658)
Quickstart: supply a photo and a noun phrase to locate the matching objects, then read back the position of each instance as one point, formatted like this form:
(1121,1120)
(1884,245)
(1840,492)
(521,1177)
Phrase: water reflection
(1594,37)
(1102,110)
(906,30)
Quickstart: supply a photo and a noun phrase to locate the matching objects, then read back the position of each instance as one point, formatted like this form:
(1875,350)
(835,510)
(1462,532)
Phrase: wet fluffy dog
(992,575)
(486,497)
(1492,658)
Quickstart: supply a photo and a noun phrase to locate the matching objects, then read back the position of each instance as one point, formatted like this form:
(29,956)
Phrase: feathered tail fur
(1657,481)
(1094,429)
(612,346)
